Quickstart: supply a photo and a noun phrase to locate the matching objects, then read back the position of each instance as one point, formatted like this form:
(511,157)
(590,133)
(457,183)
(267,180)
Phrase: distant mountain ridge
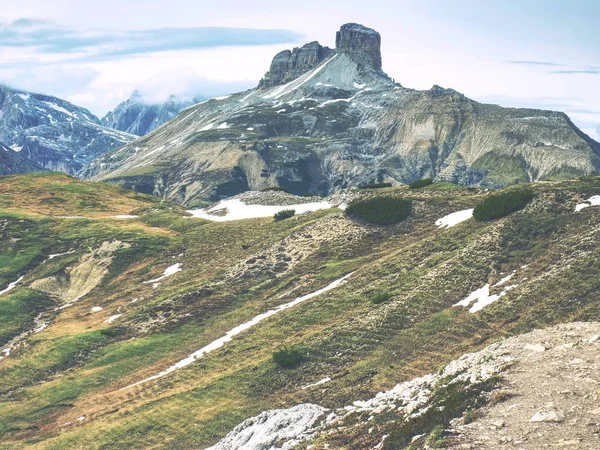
(323,120)
(53,133)
(139,117)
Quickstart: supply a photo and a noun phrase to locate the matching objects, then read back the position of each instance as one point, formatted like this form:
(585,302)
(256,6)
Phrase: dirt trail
(555,394)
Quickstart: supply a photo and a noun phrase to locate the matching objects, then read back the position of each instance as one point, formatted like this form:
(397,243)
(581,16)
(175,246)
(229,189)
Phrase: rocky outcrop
(362,44)
(138,117)
(289,65)
(83,277)
(12,162)
(53,133)
(269,429)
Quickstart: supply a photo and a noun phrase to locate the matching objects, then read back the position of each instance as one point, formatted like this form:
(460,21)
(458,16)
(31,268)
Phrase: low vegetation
(284,214)
(380,210)
(381,297)
(375,185)
(288,358)
(420,183)
(502,204)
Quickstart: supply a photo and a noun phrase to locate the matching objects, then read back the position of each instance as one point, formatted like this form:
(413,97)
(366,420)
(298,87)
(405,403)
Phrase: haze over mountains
(139,117)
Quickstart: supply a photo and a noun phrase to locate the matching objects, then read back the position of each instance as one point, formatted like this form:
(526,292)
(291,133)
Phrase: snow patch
(237,210)
(169,271)
(482,297)
(318,383)
(228,337)
(111,319)
(11,286)
(592,201)
(454,219)
(96,309)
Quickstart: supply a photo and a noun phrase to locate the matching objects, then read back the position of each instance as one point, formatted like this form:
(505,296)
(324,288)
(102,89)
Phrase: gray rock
(274,429)
(289,65)
(361,43)
(548,416)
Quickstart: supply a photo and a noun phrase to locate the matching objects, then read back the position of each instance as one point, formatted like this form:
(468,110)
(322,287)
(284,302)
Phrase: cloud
(535,63)
(591,70)
(187,84)
(46,37)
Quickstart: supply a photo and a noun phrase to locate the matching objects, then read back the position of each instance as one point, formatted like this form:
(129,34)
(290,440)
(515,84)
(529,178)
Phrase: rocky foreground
(548,396)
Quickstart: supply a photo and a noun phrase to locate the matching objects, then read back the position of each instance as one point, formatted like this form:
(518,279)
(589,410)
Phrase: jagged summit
(289,65)
(361,44)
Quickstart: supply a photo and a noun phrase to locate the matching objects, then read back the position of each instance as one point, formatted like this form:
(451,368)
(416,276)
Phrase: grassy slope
(362,346)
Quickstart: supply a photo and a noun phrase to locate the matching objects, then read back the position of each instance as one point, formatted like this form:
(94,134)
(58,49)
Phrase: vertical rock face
(289,65)
(362,44)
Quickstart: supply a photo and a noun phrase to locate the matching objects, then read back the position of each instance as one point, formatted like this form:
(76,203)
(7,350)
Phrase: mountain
(12,162)
(135,116)
(126,322)
(54,133)
(322,120)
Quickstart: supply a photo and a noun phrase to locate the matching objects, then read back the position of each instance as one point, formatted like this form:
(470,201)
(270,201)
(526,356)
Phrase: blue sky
(527,53)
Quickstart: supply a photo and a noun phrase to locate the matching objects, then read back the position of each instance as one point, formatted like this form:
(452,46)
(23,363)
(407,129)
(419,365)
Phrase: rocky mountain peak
(290,64)
(362,44)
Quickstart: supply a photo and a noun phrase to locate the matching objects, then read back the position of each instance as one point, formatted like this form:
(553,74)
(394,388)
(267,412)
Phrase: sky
(519,53)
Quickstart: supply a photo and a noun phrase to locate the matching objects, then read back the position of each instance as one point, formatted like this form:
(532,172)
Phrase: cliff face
(12,162)
(289,65)
(340,124)
(362,44)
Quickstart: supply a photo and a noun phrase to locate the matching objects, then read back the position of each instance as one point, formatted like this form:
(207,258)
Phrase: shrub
(274,189)
(420,183)
(284,214)
(380,210)
(503,204)
(381,297)
(288,357)
(374,185)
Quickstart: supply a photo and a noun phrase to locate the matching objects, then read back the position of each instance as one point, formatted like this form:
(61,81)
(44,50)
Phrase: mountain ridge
(53,133)
(327,121)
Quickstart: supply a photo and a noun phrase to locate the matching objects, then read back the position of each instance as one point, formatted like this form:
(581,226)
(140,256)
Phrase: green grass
(74,366)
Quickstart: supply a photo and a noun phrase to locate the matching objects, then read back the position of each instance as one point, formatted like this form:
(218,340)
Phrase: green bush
(288,357)
(420,183)
(284,214)
(503,204)
(274,189)
(380,210)
(374,185)
(381,297)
